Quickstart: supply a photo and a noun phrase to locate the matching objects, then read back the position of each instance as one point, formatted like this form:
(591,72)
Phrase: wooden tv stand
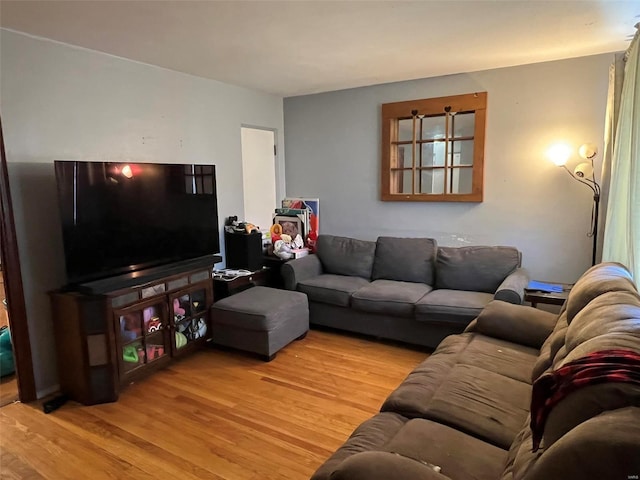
(112,332)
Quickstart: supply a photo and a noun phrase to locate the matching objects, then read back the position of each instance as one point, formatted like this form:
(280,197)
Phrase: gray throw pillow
(405,259)
(346,256)
(475,269)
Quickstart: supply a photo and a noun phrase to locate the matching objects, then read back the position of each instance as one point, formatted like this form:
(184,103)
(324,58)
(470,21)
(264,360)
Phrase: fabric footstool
(261,320)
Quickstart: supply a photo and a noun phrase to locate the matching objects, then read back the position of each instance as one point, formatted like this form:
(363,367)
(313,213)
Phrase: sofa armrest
(512,288)
(300,269)
(514,323)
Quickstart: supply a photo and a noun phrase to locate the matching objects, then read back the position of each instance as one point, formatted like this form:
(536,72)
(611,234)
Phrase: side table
(225,285)
(274,263)
(550,298)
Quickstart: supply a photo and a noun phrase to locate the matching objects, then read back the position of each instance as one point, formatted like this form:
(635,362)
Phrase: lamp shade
(588,151)
(583,170)
(559,154)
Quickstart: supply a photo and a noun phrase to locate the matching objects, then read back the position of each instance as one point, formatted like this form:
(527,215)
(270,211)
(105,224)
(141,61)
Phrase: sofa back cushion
(601,313)
(477,268)
(605,277)
(405,259)
(610,321)
(346,256)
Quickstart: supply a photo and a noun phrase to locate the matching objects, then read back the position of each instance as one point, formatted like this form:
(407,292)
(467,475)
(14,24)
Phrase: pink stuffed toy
(178,311)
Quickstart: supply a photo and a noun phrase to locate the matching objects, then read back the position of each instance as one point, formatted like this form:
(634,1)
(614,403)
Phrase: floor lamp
(585,174)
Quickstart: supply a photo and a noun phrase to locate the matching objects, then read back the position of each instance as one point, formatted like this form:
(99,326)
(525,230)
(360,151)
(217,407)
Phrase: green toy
(130,353)
(181,340)
(7,364)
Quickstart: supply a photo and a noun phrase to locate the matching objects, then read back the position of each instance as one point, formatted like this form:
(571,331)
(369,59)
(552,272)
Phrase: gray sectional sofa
(405,289)
(466,411)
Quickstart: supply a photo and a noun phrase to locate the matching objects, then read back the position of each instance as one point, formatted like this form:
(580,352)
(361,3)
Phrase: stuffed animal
(181,340)
(312,239)
(276,232)
(282,248)
(131,354)
(197,329)
(178,311)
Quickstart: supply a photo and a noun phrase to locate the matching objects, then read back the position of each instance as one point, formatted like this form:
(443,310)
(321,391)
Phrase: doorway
(259,175)
(8,380)
(14,294)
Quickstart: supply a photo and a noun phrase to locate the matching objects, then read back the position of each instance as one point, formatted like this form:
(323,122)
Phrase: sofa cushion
(346,256)
(377,465)
(370,435)
(475,401)
(500,356)
(451,306)
(516,323)
(520,452)
(332,289)
(449,387)
(598,279)
(413,395)
(425,450)
(405,259)
(550,347)
(389,297)
(457,454)
(603,447)
(478,268)
(609,321)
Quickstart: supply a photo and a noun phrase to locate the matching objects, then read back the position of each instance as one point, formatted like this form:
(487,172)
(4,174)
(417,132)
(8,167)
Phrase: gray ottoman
(260,320)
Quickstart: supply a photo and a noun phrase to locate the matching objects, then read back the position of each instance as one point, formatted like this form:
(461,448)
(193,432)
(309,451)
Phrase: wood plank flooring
(218,414)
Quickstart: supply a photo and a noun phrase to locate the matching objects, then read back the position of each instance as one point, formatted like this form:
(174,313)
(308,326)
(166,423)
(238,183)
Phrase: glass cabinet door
(190,318)
(143,335)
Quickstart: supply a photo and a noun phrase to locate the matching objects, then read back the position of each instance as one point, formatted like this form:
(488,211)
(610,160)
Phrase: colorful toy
(312,238)
(276,232)
(154,352)
(7,364)
(154,325)
(181,340)
(182,326)
(178,311)
(282,248)
(129,327)
(197,329)
(130,354)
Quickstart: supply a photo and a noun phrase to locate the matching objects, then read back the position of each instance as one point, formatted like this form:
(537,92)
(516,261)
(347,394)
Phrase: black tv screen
(123,217)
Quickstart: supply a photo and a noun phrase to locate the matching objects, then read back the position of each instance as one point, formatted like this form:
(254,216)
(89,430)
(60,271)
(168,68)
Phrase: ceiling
(290,48)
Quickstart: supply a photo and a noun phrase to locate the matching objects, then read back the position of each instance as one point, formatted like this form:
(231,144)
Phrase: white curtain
(622,221)
(616,74)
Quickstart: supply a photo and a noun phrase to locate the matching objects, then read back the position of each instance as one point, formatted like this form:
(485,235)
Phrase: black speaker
(243,250)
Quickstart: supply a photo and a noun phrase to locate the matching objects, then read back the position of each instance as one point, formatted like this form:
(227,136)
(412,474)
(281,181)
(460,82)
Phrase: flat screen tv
(119,218)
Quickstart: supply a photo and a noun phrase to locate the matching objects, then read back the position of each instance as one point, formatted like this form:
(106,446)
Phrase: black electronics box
(243,250)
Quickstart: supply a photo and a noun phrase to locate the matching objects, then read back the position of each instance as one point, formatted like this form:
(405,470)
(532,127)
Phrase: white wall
(333,152)
(61,102)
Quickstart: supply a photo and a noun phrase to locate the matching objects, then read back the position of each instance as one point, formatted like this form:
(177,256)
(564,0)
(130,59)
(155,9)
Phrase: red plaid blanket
(597,367)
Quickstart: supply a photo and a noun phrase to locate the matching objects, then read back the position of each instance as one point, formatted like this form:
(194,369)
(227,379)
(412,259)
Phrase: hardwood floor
(218,414)
(8,383)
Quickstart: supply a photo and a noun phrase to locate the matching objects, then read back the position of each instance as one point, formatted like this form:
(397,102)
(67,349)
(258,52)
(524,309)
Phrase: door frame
(14,291)
(277,158)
